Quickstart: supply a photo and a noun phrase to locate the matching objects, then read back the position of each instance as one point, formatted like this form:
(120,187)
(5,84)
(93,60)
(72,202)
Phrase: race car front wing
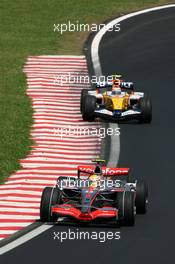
(118,115)
(70,211)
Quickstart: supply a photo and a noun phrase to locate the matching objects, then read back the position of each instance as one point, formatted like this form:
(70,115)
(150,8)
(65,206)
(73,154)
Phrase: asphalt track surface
(144,51)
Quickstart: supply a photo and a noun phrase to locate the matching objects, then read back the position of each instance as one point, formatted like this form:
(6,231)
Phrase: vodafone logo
(86,169)
(105,170)
(114,171)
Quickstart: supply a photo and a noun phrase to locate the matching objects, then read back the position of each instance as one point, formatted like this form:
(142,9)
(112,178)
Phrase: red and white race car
(97,194)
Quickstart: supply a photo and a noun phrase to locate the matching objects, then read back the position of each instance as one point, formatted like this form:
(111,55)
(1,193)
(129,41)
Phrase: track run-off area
(60,141)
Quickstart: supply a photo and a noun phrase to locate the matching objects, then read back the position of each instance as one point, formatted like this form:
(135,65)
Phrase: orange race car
(116,101)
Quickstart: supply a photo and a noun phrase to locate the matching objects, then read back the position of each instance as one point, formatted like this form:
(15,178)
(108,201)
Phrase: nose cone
(87,196)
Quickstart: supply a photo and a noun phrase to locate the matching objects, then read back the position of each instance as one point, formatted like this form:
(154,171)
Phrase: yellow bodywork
(116,102)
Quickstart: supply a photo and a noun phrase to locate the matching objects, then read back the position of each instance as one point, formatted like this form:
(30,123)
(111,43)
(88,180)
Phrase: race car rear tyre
(89,108)
(84,92)
(50,196)
(146,109)
(126,208)
(141,199)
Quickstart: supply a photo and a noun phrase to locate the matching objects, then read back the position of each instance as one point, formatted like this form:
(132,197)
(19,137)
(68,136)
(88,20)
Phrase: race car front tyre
(84,92)
(146,109)
(126,208)
(89,108)
(141,199)
(50,196)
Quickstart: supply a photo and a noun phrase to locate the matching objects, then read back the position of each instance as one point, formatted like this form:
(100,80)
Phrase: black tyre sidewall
(84,92)
(129,214)
(89,108)
(141,197)
(50,196)
(145,106)
(125,205)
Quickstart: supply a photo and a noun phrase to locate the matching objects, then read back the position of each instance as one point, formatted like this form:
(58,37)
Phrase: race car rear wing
(103,84)
(123,85)
(106,171)
(127,85)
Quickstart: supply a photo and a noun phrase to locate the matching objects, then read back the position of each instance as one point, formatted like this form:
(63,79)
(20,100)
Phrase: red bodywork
(106,170)
(69,210)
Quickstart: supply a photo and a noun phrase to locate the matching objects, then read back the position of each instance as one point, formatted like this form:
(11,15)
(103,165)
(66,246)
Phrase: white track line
(25,238)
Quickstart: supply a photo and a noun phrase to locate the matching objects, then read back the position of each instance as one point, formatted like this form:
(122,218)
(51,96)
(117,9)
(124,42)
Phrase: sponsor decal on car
(105,170)
(104,111)
(130,112)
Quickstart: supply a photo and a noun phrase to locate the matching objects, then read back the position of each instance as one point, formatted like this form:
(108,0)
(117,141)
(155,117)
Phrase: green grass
(27,29)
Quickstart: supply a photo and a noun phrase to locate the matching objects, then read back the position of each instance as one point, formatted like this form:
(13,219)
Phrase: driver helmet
(116,90)
(94,180)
